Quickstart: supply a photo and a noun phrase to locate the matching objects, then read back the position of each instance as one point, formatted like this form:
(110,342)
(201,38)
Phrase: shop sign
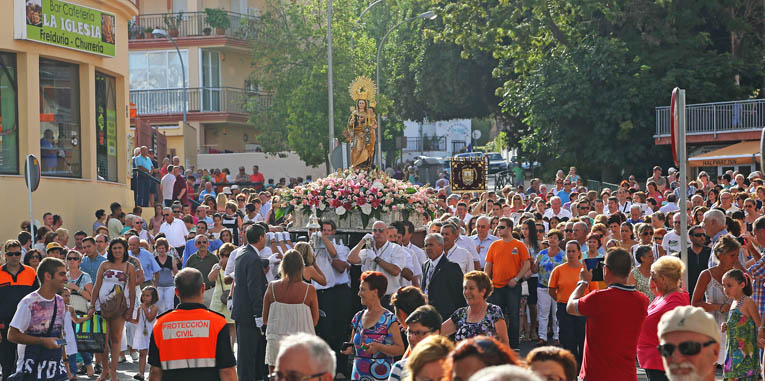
(64,24)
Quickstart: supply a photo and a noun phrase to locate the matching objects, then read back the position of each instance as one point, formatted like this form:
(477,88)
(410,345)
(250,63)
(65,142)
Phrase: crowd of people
(223,289)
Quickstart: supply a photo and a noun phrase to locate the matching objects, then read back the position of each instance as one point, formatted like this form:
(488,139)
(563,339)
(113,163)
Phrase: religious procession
(369,190)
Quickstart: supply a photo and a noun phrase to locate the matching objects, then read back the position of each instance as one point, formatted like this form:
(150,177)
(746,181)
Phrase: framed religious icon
(469,174)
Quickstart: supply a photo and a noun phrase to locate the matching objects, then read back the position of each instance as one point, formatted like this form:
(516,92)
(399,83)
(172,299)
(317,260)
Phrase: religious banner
(60,23)
(469,174)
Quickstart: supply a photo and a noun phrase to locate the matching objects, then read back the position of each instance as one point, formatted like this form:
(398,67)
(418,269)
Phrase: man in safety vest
(191,342)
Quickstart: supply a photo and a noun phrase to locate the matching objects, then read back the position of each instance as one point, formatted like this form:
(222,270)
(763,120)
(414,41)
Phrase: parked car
(496,162)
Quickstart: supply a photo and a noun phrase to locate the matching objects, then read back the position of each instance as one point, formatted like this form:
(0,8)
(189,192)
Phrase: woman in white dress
(290,305)
(709,293)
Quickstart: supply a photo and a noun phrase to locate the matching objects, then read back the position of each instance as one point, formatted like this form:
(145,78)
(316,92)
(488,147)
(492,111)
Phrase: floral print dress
(466,330)
(368,367)
(741,358)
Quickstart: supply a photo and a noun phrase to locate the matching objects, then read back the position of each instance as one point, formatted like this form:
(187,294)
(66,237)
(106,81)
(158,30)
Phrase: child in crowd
(742,358)
(147,314)
(71,341)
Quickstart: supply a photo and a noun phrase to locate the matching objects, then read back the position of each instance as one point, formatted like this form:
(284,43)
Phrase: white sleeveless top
(286,319)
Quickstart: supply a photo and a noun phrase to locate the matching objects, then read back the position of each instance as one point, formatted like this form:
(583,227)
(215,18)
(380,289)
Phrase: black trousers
(334,328)
(656,375)
(7,354)
(251,352)
(571,332)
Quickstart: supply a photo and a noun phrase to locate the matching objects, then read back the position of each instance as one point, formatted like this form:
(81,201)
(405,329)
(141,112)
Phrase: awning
(747,152)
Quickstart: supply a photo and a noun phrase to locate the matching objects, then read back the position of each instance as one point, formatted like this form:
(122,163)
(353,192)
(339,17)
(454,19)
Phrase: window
(60,148)
(9,123)
(106,127)
(211,81)
(156,81)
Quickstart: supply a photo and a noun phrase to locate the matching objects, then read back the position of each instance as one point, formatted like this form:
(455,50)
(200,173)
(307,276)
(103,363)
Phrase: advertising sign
(67,25)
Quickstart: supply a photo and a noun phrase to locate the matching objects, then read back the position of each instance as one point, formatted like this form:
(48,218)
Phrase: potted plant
(173,23)
(217,18)
(147,33)
(207,31)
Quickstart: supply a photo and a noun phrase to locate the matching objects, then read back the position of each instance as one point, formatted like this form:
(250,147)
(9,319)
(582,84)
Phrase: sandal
(556,343)
(541,343)
(138,377)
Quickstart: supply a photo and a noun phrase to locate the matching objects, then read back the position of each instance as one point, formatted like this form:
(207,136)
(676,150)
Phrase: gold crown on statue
(363,88)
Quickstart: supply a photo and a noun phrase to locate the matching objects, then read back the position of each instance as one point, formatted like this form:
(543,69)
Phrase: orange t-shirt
(506,259)
(564,278)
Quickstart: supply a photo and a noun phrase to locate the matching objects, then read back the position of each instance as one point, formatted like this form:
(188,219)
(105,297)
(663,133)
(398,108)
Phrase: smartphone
(346,345)
(596,265)
(60,341)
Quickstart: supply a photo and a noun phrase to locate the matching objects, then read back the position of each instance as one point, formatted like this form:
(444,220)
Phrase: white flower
(322,206)
(385,209)
(340,210)
(378,185)
(366,208)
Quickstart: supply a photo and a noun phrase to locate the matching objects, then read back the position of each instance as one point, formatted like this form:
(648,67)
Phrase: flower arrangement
(370,192)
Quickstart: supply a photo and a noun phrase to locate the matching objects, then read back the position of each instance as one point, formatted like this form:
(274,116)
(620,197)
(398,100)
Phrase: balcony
(716,121)
(191,25)
(426,144)
(227,100)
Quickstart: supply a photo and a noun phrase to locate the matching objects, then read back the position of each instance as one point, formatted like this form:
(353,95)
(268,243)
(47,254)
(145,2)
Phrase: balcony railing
(714,118)
(200,99)
(191,24)
(426,144)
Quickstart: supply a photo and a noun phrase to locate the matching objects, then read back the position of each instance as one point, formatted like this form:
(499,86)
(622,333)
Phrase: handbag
(116,305)
(38,357)
(77,301)
(91,335)
(223,293)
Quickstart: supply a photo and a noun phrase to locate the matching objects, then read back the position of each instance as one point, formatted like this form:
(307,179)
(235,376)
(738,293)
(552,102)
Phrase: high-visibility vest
(187,338)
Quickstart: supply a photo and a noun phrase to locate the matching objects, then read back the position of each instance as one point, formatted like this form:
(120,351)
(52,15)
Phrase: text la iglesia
(69,25)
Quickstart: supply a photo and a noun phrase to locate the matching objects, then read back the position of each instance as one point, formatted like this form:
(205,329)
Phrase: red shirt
(257,178)
(614,319)
(648,356)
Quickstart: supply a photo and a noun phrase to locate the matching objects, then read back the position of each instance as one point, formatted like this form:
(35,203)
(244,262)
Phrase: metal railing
(191,24)
(426,144)
(713,118)
(200,99)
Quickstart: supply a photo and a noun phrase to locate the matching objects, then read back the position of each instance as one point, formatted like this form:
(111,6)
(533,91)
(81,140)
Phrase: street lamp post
(429,15)
(163,34)
(356,25)
(331,110)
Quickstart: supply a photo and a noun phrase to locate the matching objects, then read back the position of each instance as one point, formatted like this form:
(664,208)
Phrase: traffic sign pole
(32,177)
(682,160)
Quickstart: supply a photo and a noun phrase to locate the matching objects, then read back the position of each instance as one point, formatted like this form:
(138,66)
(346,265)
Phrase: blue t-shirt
(90,266)
(141,161)
(564,197)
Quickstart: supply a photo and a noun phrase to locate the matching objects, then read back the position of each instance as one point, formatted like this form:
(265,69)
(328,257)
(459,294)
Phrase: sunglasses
(12,253)
(500,227)
(657,239)
(686,348)
(72,259)
(568,230)
(378,230)
(224,255)
(166,215)
(699,235)
(646,233)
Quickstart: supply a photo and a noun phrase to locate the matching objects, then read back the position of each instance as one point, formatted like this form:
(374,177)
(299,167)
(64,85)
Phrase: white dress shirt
(389,252)
(461,257)
(175,232)
(482,246)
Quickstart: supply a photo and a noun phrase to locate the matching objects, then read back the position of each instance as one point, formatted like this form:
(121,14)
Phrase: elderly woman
(476,353)
(376,335)
(665,280)
(640,274)
(222,287)
(479,317)
(594,249)
(645,237)
(168,267)
(427,359)
(552,363)
(80,286)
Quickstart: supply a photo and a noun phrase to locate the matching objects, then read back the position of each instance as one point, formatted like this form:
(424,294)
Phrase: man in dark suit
(248,305)
(442,279)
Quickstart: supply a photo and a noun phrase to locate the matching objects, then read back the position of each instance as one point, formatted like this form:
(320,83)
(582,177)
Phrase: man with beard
(689,344)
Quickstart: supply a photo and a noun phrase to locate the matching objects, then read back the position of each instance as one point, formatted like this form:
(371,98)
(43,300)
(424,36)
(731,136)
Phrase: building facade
(63,98)
(213,60)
